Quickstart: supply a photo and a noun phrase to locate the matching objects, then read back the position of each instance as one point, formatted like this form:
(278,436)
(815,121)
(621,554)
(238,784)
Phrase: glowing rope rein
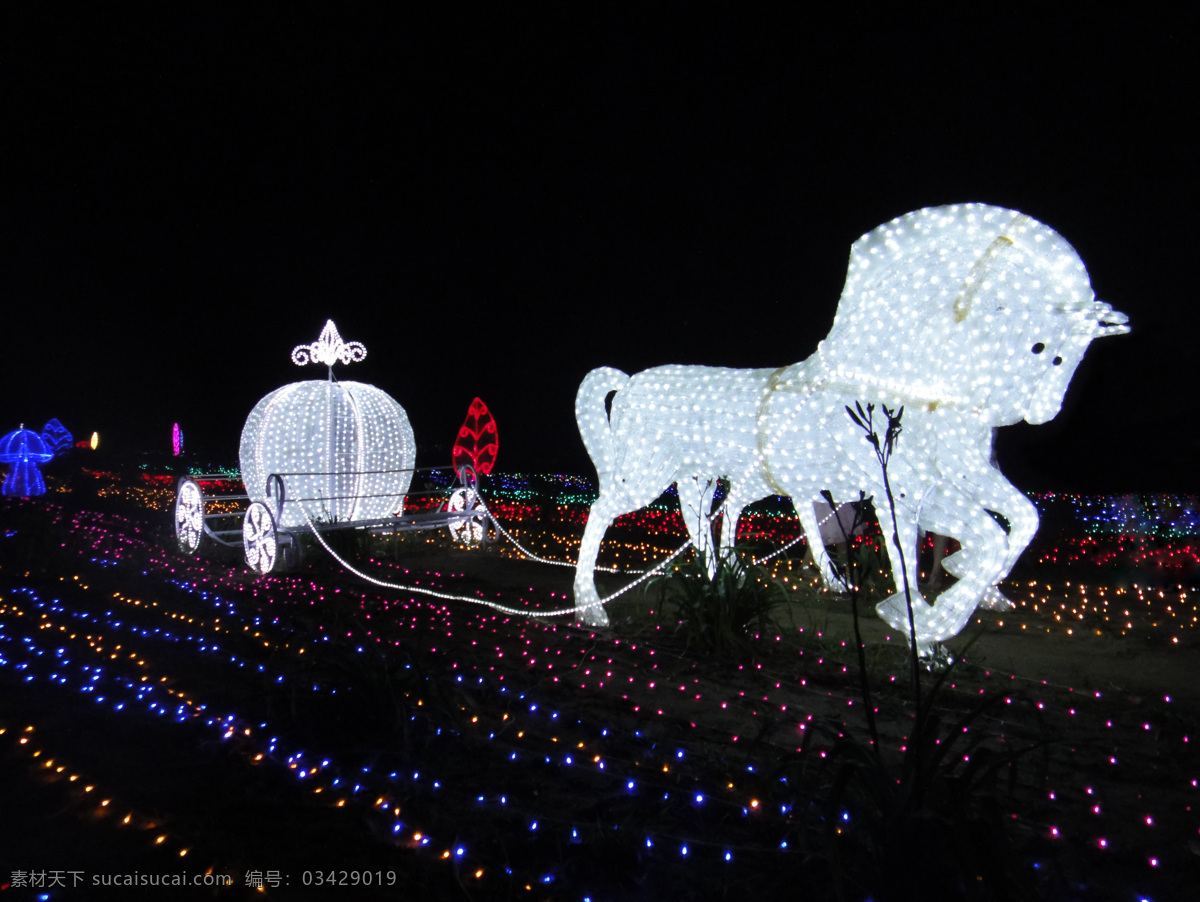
(504,609)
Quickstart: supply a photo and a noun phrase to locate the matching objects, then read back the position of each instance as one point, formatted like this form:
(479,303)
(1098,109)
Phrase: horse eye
(1038,348)
(1056,361)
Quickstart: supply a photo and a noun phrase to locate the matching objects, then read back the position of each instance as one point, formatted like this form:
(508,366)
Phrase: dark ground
(468,707)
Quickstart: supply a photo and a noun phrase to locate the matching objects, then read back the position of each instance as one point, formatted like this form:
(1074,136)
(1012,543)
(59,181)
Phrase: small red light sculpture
(477,440)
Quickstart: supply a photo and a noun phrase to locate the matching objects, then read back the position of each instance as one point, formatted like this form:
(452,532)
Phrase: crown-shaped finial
(328,349)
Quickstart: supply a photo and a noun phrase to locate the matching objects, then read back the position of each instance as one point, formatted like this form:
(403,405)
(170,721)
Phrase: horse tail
(591,414)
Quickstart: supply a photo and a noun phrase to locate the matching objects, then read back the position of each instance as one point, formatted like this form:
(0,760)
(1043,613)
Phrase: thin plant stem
(883,454)
(852,581)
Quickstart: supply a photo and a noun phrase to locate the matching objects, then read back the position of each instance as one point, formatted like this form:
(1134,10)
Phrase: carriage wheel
(189,516)
(259,538)
(466,532)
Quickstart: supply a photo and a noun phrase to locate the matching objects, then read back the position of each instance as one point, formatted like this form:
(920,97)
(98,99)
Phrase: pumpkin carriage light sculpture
(323,455)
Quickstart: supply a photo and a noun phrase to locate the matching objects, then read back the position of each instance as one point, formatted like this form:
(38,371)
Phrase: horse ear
(1108,321)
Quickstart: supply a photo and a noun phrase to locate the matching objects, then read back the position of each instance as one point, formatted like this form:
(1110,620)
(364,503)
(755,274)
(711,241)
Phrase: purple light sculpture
(56,437)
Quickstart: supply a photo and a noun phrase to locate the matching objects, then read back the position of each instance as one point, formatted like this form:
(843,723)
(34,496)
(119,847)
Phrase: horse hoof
(934,657)
(591,614)
(994,600)
(956,564)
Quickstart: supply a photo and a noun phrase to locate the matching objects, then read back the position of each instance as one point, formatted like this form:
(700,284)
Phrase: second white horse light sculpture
(968,316)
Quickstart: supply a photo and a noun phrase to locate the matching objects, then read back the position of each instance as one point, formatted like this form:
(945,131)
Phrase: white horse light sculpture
(968,316)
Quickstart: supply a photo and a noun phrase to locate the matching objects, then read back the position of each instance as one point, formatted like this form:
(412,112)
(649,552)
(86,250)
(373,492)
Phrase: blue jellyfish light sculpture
(24,451)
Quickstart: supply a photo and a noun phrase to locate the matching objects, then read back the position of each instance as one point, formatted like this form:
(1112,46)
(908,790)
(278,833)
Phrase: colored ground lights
(526,757)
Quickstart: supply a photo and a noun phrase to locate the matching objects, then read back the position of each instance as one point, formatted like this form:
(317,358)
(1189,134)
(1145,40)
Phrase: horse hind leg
(589,609)
(616,498)
(894,610)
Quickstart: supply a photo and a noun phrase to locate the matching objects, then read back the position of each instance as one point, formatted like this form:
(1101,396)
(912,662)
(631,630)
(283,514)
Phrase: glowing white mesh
(347,449)
(968,316)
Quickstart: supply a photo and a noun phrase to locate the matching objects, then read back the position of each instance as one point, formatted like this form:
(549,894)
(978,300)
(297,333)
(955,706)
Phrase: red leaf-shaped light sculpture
(477,441)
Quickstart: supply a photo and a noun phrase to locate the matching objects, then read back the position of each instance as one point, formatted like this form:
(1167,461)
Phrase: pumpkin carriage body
(345,452)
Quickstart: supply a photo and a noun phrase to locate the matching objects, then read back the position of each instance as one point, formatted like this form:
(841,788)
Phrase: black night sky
(496,204)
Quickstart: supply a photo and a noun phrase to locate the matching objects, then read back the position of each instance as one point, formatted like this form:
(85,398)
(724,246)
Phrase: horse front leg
(894,610)
(810,522)
(731,512)
(954,514)
(995,493)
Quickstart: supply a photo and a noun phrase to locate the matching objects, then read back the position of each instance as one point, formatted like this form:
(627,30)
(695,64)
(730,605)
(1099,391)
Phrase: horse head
(969,305)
